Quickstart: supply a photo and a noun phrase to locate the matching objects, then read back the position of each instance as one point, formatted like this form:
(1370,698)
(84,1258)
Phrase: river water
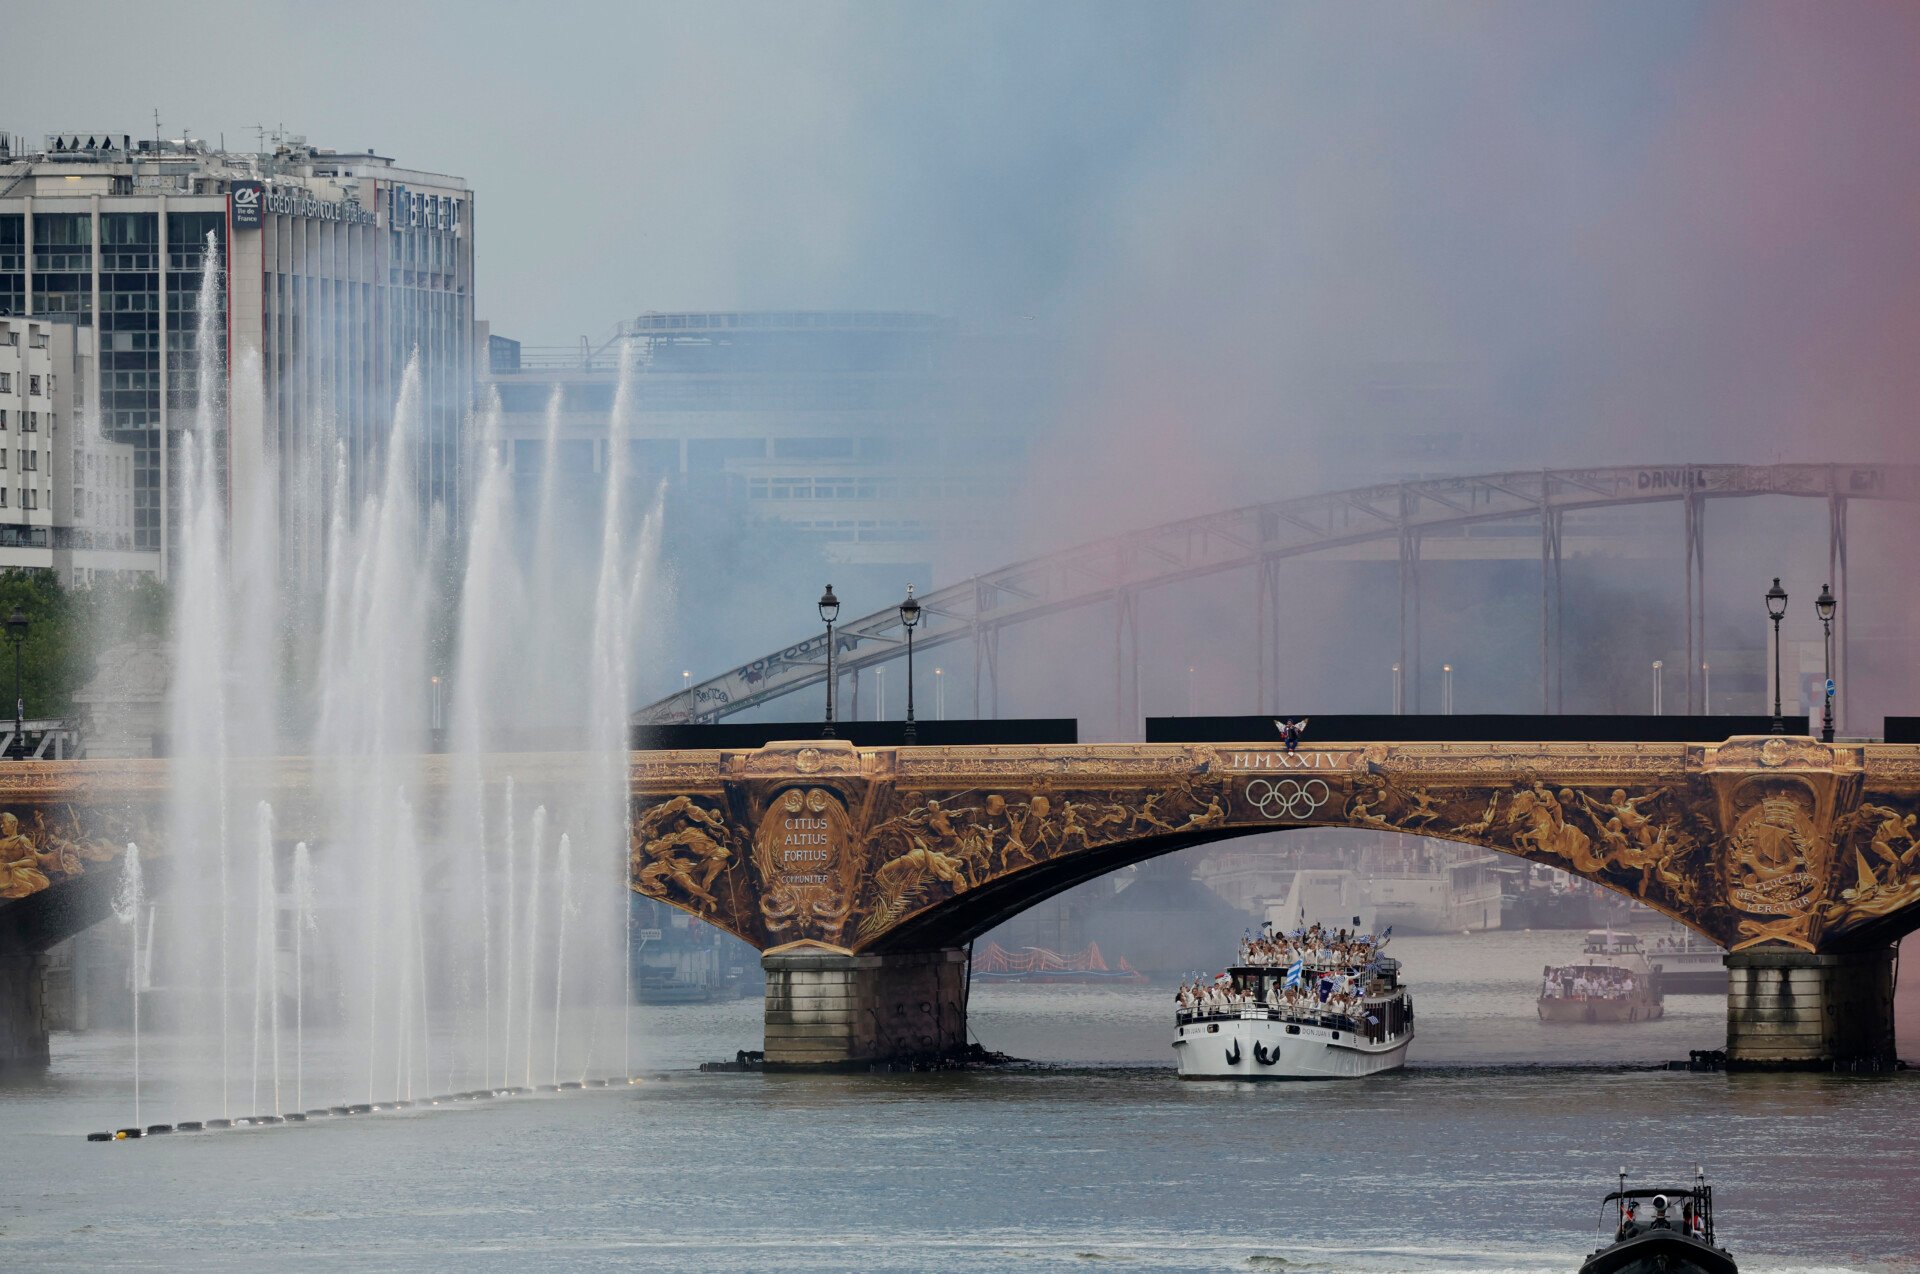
(1490,1152)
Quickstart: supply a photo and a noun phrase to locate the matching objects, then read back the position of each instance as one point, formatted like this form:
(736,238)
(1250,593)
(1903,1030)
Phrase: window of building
(3,419)
(29,498)
(6,379)
(33,423)
(33,387)
(3,497)
(3,458)
(30,460)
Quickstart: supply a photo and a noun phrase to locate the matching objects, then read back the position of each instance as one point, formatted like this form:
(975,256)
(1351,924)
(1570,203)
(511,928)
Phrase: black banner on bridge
(737,736)
(1467,728)
(1903,729)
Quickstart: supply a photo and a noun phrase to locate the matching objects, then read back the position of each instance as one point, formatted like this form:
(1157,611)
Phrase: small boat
(1320,1017)
(1689,964)
(1662,1232)
(1613,981)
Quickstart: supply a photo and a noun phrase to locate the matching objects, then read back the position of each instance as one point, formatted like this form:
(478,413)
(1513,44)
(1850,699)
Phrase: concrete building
(340,266)
(66,493)
(872,434)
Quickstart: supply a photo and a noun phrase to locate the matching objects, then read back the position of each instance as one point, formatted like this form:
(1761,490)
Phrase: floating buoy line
(366,1108)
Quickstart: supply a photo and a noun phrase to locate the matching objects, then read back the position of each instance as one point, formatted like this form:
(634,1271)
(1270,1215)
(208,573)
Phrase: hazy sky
(1578,232)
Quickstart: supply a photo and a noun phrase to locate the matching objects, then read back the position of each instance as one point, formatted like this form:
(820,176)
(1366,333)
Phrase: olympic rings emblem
(1288,798)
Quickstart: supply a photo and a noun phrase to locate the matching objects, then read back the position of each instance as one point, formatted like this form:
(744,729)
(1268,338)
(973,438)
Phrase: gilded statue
(21,869)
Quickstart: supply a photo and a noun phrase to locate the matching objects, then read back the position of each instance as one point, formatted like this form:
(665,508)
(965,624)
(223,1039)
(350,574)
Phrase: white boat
(1264,1036)
(1689,964)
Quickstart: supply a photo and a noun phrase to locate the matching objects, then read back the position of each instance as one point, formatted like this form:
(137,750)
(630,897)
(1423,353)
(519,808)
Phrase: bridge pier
(1794,1010)
(23,1013)
(831,1012)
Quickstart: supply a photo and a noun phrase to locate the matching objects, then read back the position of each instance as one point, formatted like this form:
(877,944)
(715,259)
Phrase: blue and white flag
(1294,973)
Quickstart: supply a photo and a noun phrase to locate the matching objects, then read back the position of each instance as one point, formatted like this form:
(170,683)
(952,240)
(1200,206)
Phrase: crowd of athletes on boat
(1588,983)
(1326,971)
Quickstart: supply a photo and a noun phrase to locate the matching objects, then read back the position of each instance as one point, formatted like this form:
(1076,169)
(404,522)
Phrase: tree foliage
(66,630)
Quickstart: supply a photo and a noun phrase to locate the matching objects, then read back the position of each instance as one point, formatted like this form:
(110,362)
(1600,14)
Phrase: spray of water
(430,919)
(128,902)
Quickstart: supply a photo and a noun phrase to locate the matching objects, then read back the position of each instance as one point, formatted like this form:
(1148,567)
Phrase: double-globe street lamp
(1824,606)
(829,611)
(1776,607)
(909,620)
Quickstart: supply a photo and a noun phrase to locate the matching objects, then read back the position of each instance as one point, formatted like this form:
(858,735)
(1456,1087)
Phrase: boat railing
(1329,1021)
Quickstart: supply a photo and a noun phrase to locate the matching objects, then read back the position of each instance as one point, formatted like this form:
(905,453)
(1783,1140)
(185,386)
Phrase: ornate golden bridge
(861,874)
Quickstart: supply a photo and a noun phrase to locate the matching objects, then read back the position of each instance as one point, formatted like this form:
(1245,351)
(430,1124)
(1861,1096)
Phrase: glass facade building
(340,269)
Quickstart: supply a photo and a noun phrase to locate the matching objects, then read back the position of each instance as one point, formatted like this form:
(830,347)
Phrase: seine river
(1489,1153)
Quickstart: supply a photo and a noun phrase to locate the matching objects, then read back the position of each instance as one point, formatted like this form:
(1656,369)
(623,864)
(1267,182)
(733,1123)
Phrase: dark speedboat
(1662,1232)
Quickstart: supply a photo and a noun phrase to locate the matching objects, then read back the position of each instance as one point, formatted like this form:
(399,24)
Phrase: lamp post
(1397,708)
(1446,689)
(939,696)
(879,694)
(909,619)
(829,611)
(1776,607)
(1824,606)
(17,634)
(1706,687)
(1657,666)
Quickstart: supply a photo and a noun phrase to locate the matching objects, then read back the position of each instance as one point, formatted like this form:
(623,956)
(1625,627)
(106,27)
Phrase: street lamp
(829,611)
(1776,607)
(909,619)
(1706,687)
(1446,689)
(1657,666)
(17,634)
(1397,709)
(1824,606)
(939,696)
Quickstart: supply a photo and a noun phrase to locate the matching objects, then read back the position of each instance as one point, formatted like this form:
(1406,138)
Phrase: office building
(340,267)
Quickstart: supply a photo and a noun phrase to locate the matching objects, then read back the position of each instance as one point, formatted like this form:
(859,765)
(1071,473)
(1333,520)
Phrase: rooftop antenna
(156,128)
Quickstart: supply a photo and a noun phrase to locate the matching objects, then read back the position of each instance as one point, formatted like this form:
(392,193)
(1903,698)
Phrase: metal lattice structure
(1259,537)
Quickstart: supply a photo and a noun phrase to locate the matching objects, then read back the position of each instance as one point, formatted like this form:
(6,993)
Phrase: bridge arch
(1769,841)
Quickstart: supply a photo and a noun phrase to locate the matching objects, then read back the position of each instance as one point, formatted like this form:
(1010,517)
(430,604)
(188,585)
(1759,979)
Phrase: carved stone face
(9,826)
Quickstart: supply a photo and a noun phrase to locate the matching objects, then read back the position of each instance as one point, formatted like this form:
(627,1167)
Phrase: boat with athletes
(1314,1004)
(1662,1232)
(1613,981)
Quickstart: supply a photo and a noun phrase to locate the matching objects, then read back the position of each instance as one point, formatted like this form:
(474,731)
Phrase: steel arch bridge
(1259,537)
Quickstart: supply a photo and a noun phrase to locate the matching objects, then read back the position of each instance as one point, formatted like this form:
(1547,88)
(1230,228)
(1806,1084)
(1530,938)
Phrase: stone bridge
(862,874)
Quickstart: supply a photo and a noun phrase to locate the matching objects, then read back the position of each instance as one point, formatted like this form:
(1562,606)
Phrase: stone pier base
(852,1012)
(23,1013)
(1791,1010)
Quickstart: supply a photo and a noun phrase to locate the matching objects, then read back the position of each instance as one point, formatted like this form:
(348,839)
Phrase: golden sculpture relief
(677,850)
(1749,840)
(55,849)
(808,872)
